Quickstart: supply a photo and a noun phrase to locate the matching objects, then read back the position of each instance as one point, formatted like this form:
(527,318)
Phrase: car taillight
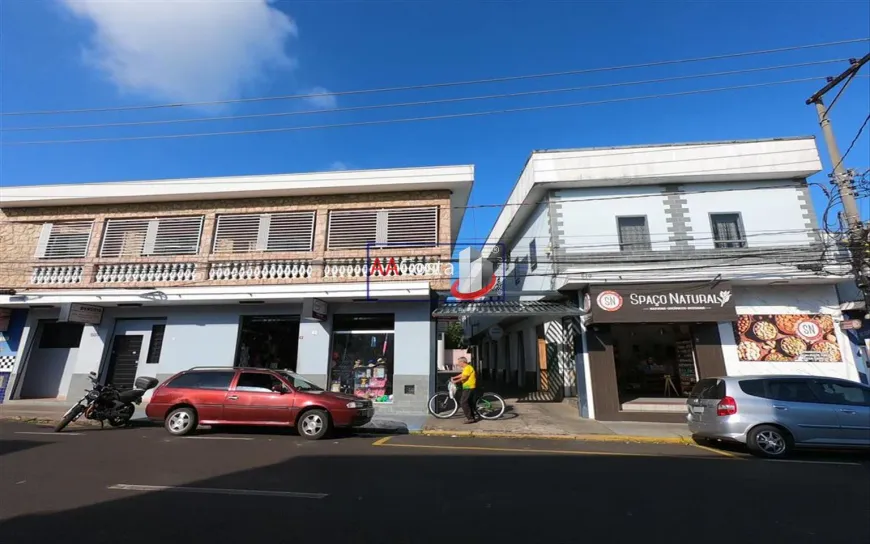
(726,407)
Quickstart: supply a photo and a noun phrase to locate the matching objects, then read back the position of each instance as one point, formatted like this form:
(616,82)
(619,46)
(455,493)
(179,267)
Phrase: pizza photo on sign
(787,338)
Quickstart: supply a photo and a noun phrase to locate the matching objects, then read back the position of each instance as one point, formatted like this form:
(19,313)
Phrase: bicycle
(444,405)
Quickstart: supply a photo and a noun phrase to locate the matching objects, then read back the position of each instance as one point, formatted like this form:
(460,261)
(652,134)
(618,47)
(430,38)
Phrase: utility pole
(843,180)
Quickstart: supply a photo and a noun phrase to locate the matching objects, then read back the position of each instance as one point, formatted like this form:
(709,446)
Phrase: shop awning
(506,309)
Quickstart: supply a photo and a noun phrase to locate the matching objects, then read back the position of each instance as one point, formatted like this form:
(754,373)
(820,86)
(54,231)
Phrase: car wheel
(313,424)
(181,421)
(769,441)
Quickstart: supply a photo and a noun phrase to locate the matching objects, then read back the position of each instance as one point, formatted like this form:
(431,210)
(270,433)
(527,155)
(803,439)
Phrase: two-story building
(327,274)
(678,262)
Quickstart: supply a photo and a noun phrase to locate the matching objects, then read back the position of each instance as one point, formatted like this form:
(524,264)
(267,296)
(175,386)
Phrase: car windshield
(300,383)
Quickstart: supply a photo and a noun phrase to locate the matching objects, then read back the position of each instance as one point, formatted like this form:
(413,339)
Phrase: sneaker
(469,421)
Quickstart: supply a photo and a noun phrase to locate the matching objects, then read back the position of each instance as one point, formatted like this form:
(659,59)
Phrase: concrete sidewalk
(521,420)
(556,420)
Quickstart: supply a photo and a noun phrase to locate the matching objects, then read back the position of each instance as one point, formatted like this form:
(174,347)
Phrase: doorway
(56,347)
(268,341)
(124,360)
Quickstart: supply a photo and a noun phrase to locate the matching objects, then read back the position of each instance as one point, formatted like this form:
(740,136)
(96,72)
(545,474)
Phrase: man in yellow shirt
(468,379)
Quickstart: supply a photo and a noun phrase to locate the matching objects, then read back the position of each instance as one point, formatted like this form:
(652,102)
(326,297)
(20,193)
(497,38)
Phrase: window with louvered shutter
(292,231)
(395,227)
(633,234)
(67,240)
(412,227)
(352,229)
(144,237)
(727,230)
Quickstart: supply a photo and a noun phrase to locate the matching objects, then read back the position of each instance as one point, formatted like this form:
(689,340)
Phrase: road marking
(48,432)
(559,452)
(217,437)
(218,491)
(720,452)
(381,441)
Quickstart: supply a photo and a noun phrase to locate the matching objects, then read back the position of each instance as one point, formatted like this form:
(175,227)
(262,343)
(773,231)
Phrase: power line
(409,119)
(422,102)
(441,84)
(854,140)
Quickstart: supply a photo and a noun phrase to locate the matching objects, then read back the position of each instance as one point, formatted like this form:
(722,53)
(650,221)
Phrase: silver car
(774,414)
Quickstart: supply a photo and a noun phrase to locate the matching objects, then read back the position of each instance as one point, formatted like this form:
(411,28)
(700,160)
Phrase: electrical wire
(409,119)
(417,103)
(854,140)
(443,84)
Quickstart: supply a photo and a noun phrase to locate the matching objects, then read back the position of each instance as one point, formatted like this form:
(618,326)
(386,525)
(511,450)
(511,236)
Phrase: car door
(851,403)
(801,411)
(258,398)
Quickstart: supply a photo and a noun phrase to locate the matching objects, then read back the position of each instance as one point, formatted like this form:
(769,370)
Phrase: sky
(84,54)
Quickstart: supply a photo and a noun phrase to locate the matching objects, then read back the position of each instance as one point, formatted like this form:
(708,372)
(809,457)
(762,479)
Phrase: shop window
(362,356)
(727,230)
(155,346)
(633,234)
(258,382)
(212,379)
(60,335)
(268,341)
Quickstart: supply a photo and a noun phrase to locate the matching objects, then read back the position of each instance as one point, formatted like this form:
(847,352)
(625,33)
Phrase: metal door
(124,360)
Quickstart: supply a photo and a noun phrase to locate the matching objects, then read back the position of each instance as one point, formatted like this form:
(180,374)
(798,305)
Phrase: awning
(506,309)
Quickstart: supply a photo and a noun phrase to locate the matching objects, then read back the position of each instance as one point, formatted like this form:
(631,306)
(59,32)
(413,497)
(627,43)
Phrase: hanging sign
(74,312)
(496,333)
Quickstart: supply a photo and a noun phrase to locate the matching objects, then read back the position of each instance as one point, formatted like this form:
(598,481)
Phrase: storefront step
(666,405)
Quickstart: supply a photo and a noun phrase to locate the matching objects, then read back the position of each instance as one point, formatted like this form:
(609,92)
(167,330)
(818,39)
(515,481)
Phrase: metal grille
(64,240)
(140,237)
(352,229)
(727,231)
(633,234)
(397,227)
(290,232)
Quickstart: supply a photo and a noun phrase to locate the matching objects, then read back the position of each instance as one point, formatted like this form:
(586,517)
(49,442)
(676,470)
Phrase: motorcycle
(107,403)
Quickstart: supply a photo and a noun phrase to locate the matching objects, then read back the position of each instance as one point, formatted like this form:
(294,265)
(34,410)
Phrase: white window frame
(151,236)
(45,234)
(263,227)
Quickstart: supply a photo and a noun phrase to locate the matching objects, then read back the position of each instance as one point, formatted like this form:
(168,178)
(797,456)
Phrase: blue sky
(63,54)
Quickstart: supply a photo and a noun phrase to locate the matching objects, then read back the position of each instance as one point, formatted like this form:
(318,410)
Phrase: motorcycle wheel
(122,420)
(69,417)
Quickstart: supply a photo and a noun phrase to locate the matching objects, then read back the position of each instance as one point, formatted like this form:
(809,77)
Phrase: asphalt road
(141,485)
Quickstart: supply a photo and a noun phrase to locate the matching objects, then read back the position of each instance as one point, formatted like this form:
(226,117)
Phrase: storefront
(384,352)
(647,345)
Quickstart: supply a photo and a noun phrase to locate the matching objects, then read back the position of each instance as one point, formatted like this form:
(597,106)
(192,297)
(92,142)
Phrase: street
(139,485)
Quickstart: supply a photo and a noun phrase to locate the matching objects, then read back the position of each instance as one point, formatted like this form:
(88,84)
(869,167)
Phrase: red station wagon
(253,396)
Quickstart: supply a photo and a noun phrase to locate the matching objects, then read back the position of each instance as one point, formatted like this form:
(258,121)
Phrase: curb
(575,437)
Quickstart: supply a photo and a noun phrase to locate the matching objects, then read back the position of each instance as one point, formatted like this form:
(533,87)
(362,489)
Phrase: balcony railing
(259,270)
(145,272)
(382,267)
(57,275)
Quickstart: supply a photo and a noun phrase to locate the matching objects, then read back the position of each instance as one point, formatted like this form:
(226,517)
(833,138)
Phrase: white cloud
(187,51)
(322,99)
(338,165)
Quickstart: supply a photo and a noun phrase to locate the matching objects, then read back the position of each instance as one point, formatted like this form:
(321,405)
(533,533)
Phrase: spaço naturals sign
(662,302)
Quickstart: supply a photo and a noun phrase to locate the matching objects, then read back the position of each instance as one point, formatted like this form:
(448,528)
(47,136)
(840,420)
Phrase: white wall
(538,229)
(804,299)
(772,214)
(590,226)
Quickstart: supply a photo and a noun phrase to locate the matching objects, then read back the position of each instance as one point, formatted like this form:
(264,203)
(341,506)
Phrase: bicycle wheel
(442,406)
(490,406)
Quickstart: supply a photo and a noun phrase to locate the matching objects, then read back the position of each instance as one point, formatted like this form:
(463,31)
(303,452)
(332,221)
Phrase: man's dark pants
(468,403)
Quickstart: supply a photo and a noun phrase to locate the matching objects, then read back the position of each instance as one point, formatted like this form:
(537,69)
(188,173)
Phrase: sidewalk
(520,420)
(557,420)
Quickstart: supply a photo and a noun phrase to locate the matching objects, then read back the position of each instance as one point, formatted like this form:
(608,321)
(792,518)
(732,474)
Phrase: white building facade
(685,261)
